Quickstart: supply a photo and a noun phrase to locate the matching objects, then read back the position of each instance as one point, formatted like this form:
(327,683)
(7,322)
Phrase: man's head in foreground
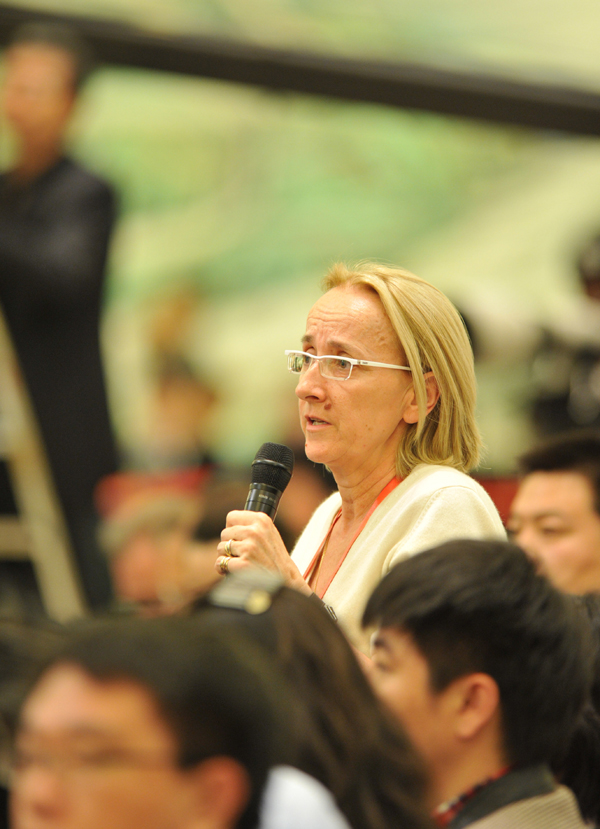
(146,723)
(480,658)
(555,515)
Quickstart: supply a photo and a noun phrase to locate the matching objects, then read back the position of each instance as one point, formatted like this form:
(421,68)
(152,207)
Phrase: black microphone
(272,469)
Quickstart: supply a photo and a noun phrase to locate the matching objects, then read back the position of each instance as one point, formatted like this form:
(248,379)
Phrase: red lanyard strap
(381,497)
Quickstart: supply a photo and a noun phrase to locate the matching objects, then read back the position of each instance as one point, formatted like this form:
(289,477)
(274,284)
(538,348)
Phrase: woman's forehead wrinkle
(352,321)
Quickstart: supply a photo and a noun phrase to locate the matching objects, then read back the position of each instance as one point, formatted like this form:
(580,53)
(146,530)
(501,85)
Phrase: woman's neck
(359,495)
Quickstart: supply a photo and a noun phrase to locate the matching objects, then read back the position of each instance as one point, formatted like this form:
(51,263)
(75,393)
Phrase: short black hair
(24,646)
(348,741)
(219,698)
(480,606)
(59,36)
(576,451)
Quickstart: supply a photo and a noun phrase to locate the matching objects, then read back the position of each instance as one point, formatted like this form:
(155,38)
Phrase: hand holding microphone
(250,536)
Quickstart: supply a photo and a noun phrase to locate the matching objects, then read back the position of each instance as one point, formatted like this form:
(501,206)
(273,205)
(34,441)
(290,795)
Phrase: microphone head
(273,465)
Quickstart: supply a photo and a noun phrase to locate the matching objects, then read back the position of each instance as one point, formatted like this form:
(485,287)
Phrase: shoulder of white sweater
(423,481)
(435,476)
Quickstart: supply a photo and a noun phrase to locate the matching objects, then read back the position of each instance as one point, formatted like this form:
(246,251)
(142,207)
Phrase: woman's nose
(310,383)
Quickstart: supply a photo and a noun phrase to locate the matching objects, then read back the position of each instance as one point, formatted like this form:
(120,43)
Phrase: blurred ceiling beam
(406,85)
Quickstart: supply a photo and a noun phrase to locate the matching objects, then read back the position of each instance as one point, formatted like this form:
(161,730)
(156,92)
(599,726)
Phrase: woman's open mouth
(314,421)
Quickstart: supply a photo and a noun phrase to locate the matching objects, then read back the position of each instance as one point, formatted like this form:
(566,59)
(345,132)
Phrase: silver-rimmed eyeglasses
(336,368)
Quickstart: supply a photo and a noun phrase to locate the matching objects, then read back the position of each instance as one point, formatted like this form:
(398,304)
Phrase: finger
(234,517)
(222,565)
(237,564)
(225,565)
(227,548)
(246,517)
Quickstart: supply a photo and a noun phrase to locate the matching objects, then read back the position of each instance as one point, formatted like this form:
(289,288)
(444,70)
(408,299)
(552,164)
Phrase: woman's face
(354,426)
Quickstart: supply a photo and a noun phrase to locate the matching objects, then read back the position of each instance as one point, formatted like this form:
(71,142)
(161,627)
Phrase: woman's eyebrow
(332,345)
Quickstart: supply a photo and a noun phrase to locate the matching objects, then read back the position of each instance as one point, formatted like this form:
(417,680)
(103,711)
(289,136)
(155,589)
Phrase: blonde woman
(386,395)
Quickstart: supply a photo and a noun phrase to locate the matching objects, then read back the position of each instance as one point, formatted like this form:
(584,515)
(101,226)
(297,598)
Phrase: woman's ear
(411,412)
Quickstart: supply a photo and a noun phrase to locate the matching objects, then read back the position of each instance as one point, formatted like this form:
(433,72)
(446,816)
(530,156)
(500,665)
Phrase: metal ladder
(38,532)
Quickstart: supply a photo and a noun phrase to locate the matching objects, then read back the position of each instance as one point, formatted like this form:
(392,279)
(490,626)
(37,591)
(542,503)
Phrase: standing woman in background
(386,393)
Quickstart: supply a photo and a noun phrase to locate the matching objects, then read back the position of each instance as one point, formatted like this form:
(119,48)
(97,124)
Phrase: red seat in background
(501,490)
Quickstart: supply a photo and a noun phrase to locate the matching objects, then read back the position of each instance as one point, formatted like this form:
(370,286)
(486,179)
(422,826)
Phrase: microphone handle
(263,498)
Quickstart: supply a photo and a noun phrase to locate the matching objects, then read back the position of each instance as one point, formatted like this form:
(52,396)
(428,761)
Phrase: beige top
(432,505)
(557,810)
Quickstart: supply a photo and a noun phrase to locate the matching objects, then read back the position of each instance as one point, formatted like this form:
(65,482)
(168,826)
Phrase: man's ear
(478,704)
(221,791)
(411,412)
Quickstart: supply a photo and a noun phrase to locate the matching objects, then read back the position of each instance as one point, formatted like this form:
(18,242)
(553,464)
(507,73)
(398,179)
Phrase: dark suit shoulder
(66,187)
(73,178)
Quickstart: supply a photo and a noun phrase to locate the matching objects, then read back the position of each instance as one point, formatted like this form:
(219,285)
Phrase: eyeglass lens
(335,367)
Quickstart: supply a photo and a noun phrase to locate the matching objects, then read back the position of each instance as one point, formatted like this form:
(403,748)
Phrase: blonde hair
(434,338)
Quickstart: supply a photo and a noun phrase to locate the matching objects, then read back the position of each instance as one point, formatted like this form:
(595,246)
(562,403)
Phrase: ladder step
(15,541)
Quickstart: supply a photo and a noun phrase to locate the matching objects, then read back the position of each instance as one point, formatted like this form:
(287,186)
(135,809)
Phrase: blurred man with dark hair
(146,724)
(487,667)
(555,515)
(161,724)
(55,222)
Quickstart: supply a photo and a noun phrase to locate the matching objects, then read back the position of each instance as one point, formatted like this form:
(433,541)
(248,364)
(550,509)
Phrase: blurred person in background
(24,646)
(147,544)
(56,219)
(577,764)
(386,390)
(147,533)
(181,405)
(487,666)
(347,741)
(162,725)
(555,516)
(160,533)
(565,376)
(181,401)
